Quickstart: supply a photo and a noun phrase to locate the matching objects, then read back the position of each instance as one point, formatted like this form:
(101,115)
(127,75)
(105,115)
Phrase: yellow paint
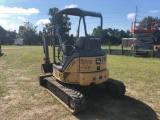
(71,78)
(84,71)
(73,66)
(58,75)
(94,77)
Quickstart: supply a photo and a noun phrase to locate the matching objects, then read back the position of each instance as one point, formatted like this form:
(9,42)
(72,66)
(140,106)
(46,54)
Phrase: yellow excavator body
(84,71)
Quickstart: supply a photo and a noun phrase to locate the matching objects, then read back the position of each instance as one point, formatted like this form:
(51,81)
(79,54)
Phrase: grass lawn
(21,97)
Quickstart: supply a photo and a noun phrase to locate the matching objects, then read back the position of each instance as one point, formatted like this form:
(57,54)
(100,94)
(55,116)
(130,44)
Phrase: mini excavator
(75,65)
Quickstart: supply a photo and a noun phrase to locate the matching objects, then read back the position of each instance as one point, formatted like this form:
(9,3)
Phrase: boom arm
(64,46)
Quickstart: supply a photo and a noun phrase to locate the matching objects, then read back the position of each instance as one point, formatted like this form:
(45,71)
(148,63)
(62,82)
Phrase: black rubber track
(65,93)
(116,87)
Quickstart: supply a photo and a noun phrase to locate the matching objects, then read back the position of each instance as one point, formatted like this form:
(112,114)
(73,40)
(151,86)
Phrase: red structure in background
(138,27)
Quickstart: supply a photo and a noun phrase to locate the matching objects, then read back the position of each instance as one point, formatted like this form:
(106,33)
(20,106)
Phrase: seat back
(80,43)
(93,43)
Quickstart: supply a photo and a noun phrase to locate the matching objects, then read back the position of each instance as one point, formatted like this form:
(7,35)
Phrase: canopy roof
(78,12)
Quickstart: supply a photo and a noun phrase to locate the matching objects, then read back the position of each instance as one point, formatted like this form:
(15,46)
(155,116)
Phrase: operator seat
(80,43)
(67,46)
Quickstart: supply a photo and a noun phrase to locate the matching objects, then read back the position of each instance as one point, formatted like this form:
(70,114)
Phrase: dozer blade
(46,68)
(71,98)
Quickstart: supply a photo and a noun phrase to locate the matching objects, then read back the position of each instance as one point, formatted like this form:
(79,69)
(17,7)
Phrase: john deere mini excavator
(77,65)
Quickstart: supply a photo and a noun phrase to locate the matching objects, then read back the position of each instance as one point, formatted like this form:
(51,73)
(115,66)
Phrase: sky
(118,14)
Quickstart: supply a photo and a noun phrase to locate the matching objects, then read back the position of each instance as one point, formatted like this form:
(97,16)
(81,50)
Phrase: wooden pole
(122,49)
(109,48)
(153,55)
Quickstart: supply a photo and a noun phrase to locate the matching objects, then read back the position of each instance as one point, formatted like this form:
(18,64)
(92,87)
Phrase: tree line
(31,36)
(6,37)
(112,36)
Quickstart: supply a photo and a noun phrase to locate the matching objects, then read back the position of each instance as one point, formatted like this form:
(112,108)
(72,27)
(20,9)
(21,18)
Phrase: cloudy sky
(117,14)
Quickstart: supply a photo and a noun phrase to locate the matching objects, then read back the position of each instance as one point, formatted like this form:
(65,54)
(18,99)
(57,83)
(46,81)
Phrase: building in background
(18,41)
(127,42)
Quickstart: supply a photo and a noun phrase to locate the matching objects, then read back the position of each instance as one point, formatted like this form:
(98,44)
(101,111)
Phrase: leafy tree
(62,22)
(10,36)
(96,31)
(110,35)
(7,37)
(3,33)
(29,33)
(147,22)
(123,34)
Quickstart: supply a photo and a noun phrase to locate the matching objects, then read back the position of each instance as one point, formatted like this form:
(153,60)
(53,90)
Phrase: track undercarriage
(72,97)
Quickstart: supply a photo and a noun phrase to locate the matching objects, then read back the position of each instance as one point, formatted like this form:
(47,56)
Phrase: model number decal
(86,64)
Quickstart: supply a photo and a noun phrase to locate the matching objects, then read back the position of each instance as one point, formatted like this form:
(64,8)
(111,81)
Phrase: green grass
(140,75)
(20,67)
(21,97)
(2,90)
(141,69)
